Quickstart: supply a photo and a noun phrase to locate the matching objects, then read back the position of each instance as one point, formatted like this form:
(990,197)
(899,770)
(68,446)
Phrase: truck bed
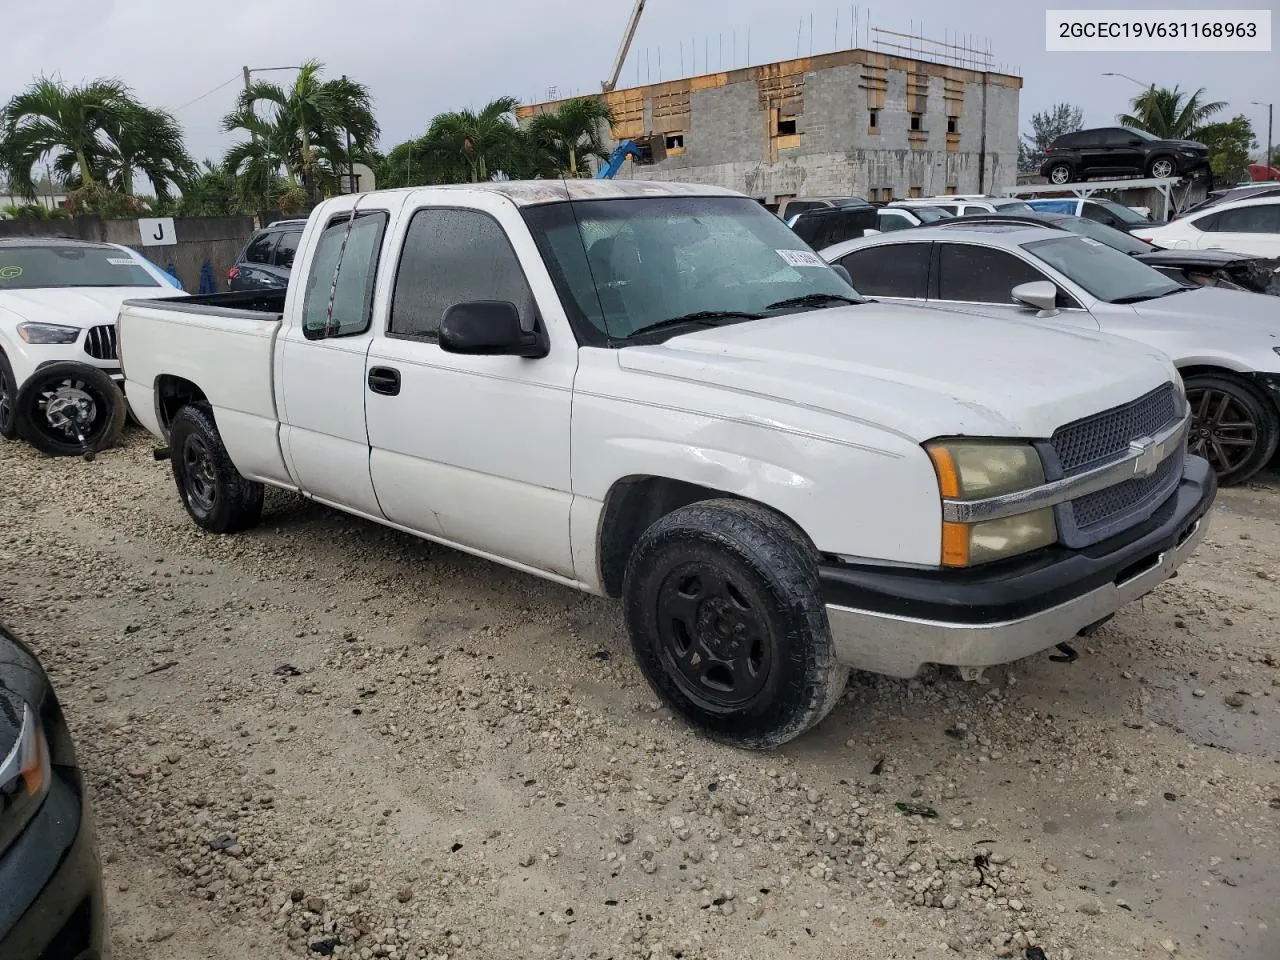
(220,346)
(245,304)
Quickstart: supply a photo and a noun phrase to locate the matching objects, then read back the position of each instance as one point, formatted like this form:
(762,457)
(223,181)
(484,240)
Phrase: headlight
(48,333)
(24,778)
(976,470)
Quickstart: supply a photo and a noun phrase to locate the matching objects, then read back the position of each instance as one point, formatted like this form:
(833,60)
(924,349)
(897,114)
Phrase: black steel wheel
(1060,173)
(217,497)
(727,623)
(69,409)
(1232,426)
(8,400)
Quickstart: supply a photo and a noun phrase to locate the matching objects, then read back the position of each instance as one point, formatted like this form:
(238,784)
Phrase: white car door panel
(321,364)
(473,449)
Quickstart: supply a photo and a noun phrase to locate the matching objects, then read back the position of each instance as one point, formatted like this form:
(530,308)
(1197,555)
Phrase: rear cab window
(338,299)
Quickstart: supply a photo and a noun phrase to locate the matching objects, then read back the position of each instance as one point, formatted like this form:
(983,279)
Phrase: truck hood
(75,306)
(920,373)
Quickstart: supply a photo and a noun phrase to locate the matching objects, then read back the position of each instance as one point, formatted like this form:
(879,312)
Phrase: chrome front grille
(100,342)
(1105,436)
(1101,439)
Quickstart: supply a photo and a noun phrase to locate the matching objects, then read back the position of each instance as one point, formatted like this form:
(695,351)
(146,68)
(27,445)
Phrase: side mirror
(488,328)
(1040,294)
(840,270)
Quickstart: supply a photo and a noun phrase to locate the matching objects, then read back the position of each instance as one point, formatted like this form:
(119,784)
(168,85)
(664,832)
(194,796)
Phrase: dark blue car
(51,905)
(267,258)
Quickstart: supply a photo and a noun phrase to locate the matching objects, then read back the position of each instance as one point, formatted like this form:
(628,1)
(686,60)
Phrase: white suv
(1246,226)
(961,205)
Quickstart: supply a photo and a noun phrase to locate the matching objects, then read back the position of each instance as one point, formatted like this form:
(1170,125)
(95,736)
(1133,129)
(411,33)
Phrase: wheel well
(1244,381)
(633,504)
(174,393)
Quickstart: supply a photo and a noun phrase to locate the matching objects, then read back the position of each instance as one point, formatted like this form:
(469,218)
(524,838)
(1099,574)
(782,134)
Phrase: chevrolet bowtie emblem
(1148,454)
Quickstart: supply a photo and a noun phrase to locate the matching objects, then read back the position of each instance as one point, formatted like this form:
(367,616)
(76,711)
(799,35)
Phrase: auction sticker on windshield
(802,258)
(121,261)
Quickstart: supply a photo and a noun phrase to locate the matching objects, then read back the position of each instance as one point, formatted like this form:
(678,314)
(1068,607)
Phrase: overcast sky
(424,57)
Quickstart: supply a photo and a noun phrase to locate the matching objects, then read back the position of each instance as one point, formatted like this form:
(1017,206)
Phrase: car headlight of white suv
(48,333)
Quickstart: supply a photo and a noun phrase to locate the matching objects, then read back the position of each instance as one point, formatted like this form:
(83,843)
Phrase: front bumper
(894,621)
(51,900)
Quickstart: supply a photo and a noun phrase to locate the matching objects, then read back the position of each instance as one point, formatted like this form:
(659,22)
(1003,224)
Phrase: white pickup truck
(657,392)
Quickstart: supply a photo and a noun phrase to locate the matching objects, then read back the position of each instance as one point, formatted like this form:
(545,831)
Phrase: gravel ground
(325,737)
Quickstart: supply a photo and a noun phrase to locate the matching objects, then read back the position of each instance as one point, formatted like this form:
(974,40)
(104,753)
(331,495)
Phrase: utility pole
(246,77)
(1270,109)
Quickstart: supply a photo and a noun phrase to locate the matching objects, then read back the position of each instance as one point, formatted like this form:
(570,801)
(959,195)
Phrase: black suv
(1115,151)
(267,258)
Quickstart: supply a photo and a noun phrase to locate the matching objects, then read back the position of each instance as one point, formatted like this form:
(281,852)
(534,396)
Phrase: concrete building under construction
(850,123)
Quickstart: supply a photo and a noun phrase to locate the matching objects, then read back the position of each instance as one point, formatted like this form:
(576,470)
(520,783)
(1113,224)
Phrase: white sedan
(58,304)
(1249,226)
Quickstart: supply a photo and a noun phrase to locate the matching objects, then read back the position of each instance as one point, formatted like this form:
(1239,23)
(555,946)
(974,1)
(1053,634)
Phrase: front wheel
(727,623)
(8,400)
(1060,173)
(69,409)
(1232,426)
(216,495)
(1162,167)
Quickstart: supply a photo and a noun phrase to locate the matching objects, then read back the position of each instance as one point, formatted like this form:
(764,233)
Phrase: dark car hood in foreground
(1192,258)
(21,681)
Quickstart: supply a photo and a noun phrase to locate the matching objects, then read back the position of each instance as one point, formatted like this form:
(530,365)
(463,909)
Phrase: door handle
(384,380)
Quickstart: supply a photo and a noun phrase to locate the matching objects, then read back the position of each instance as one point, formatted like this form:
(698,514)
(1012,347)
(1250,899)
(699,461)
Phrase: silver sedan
(1225,342)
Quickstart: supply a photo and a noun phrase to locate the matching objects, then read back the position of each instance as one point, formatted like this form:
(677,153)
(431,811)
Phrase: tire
(1233,426)
(216,496)
(1158,164)
(58,394)
(1059,173)
(8,400)
(718,570)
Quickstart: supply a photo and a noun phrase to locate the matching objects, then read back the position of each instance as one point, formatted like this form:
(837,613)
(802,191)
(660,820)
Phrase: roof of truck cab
(527,193)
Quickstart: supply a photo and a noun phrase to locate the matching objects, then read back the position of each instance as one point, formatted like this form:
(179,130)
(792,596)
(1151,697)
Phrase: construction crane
(627,37)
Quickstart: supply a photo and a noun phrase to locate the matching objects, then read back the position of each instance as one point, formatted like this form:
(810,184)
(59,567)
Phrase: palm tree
(308,129)
(67,124)
(147,141)
(480,143)
(1170,114)
(573,131)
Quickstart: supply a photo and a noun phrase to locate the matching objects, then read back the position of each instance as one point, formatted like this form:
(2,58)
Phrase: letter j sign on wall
(157,232)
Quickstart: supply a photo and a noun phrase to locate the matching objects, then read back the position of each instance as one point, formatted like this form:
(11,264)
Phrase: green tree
(305,132)
(52,121)
(1171,114)
(1229,146)
(1045,128)
(465,145)
(571,133)
(147,141)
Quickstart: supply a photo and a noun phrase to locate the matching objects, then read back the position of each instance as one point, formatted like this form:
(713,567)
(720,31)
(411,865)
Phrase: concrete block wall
(727,143)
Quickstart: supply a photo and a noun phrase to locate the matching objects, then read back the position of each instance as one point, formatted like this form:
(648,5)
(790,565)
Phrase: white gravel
(326,738)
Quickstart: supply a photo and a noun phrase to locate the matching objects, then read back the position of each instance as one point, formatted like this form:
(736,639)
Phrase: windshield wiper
(705,318)
(812,299)
(1143,298)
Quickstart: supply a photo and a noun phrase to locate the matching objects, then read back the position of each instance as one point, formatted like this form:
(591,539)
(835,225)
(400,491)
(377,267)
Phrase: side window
(886,221)
(973,274)
(259,249)
(449,257)
(353,293)
(287,248)
(1257,218)
(891,270)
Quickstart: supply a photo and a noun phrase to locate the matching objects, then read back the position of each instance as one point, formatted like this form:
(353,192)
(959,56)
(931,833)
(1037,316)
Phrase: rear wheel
(1162,167)
(8,400)
(728,625)
(1232,426)
(1060,173)
(216,495)
(69,409)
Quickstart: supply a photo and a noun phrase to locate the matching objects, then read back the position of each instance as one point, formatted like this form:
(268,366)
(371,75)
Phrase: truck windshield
(1104,271)
(626,265)
(55,265)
